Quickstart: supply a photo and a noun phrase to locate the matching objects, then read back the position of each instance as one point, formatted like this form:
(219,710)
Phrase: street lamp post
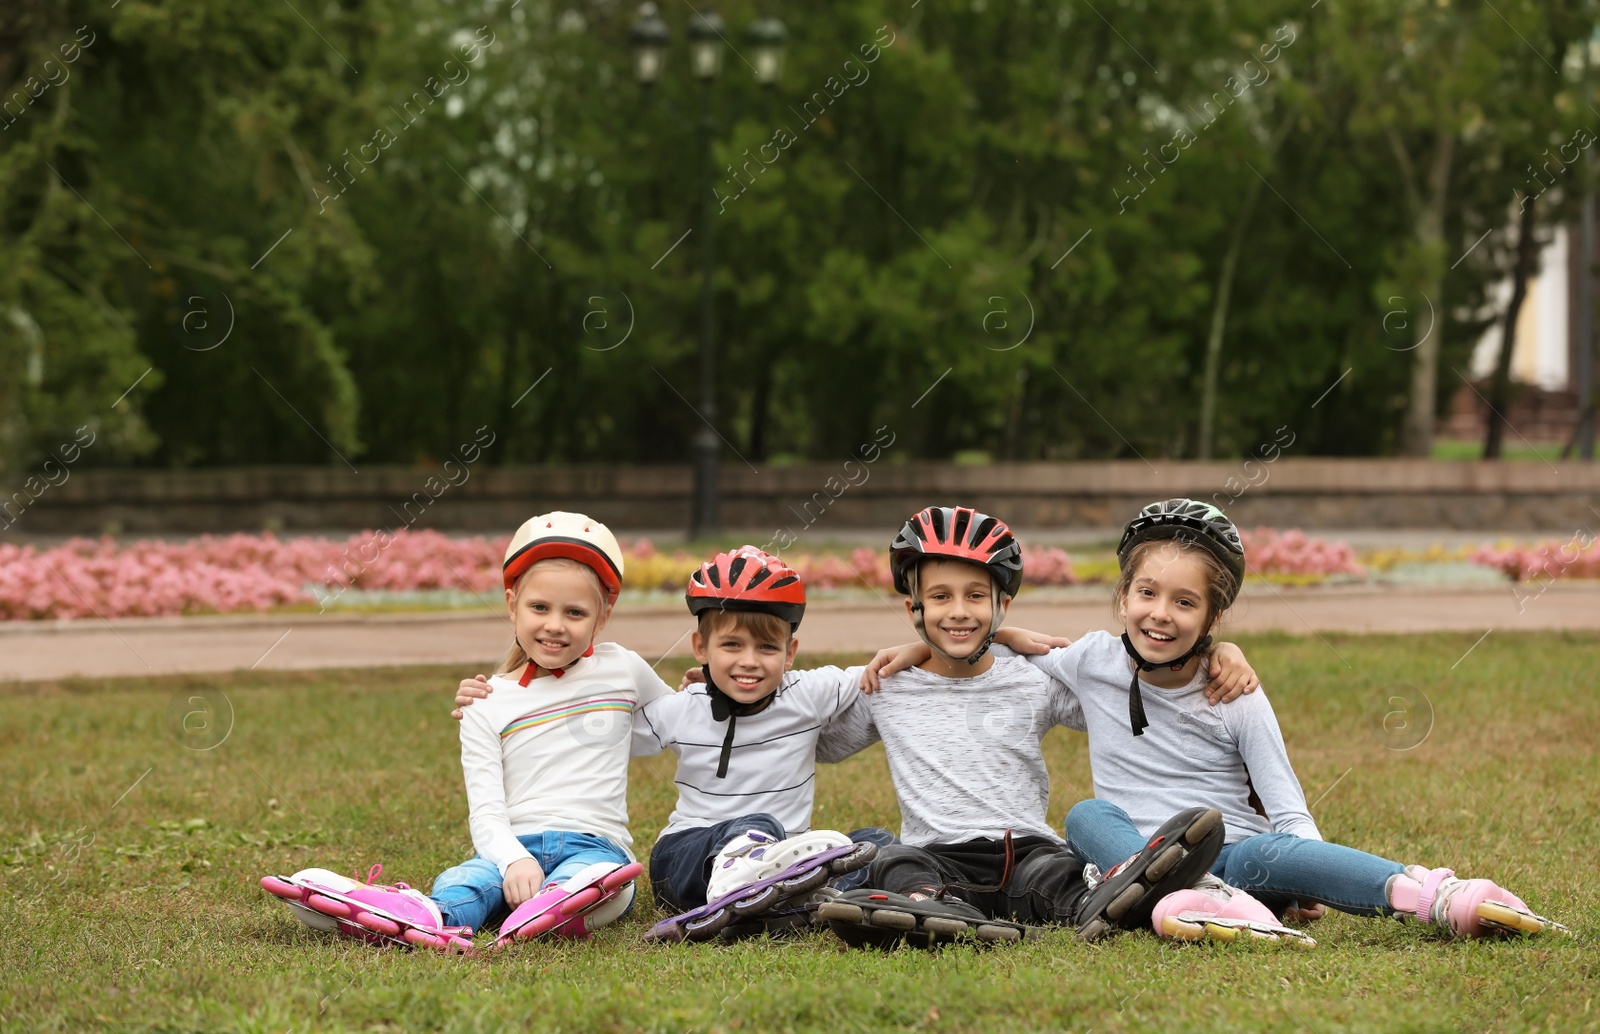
(707,34)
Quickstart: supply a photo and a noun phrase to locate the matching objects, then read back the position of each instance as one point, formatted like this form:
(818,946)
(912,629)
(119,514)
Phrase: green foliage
(406,214)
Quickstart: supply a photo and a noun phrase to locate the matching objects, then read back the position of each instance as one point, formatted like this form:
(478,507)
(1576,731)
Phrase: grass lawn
(129,867)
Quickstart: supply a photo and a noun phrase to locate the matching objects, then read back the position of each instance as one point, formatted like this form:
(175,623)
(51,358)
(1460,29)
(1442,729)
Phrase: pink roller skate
(1467,908)
(367,910)
(1212,910)
(588,900)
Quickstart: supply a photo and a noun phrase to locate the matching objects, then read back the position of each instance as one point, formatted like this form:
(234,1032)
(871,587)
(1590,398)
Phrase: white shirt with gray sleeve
(1193,754)
(963,752)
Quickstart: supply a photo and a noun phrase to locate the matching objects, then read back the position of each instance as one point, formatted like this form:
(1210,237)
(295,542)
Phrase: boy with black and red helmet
(962,734)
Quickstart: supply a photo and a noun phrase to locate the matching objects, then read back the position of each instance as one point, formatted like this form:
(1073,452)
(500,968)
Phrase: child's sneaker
(1467,908)
(367,910)
(1177,856)
(586,901)
(1212,910)
(755,874)
(867,918)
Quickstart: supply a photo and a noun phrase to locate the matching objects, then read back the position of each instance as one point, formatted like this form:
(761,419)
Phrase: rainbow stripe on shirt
(556,714)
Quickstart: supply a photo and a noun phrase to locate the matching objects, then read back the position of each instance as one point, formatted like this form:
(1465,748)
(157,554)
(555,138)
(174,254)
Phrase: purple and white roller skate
(588,900)
(756,874)
(367,910)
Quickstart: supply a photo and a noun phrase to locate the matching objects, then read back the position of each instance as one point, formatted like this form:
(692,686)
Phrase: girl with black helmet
(1152,740)
(962,733)
(1155,742)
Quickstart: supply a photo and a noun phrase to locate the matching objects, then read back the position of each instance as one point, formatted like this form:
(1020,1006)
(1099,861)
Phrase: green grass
(139,909)
(1513,449)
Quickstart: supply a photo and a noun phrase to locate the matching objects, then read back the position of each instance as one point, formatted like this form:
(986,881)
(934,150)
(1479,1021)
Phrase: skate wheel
(889,919)
(1218,932)
(377,924)
(1094,929)
(861,856)
(1125,901)
(840,911)
(282,888)
(586,898)
(328,906)
(804,882)
(421,938)
(1503,917)
(1202,826)
(622,877)
(1164,863)
(1172,926)
(709,926)
(943,926)
(759,902)
(987,932)
(539,925)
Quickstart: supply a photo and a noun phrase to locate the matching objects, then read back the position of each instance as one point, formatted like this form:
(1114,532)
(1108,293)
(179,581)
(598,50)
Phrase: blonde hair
(1220,583)
(766,628)
(516,656)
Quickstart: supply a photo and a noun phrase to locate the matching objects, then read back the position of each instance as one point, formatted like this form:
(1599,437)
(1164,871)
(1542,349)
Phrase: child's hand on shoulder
(475,688)
(1020,640)
(1230,674)
(887,662)
(692,677)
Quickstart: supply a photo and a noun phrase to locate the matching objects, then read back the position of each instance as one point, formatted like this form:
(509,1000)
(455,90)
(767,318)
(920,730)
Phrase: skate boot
(1466,908)
(588,900)
(1212,910)
(755,874)
(1177,856)
(367,910)
(867,918)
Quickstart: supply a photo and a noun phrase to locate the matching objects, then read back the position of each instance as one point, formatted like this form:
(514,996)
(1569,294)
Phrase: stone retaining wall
(1320,493)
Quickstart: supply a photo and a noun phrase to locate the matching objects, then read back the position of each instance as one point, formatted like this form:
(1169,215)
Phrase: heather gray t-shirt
(963,753)
(1193,754)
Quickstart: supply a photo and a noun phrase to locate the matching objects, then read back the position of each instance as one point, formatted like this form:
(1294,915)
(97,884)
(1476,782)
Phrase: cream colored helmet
(571,535)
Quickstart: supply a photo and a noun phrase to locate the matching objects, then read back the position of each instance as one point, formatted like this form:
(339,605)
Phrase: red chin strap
(531,672)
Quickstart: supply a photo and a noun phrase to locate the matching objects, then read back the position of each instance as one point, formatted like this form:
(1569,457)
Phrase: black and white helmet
(1192,521)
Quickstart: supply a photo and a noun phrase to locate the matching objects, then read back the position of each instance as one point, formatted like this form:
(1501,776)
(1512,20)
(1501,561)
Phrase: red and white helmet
(570,535)
(956,533)
(750,580)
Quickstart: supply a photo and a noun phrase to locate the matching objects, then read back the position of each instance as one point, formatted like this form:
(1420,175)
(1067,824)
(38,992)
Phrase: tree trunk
(1219,321)
(1417,434)
(1500,389)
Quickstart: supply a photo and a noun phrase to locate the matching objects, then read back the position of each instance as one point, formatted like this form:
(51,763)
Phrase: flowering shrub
(1552,559)
(1268,551)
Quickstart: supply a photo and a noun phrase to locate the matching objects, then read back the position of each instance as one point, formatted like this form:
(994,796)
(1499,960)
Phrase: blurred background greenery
(1062,209)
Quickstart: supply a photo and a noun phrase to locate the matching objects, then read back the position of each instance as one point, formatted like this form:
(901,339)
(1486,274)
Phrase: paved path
(475,640)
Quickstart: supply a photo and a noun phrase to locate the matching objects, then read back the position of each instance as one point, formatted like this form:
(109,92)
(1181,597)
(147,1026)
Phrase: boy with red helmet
(962,734)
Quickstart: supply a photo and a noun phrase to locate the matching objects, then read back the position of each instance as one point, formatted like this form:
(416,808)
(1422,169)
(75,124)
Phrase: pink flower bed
(222,574)
(1552,559)
(1292,552)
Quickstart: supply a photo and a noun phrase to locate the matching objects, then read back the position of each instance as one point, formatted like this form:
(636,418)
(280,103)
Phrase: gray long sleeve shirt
(963,753)
(1192,754)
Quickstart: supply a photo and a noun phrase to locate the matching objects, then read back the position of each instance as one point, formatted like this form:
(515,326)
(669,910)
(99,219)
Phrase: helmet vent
(958,533)
(735,569)
(761,575)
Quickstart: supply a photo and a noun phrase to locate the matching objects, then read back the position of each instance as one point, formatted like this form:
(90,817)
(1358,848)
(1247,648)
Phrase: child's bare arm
(1020,640)
(475,688)
(1230,674)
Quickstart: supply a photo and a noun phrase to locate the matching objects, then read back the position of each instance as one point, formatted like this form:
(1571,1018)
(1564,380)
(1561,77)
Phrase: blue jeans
(469,894)
(680,863)
(1280,869)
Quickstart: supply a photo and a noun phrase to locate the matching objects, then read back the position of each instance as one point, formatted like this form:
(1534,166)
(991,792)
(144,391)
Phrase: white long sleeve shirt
(553,755)
(1192,754)
(964,753)
(772,765)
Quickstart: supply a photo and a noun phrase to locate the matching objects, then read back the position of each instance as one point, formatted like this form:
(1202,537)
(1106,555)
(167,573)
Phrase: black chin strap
(1136,716)
(726,709)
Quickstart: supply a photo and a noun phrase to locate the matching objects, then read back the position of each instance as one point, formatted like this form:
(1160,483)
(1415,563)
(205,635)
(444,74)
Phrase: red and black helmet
(957,533)
(750,580)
